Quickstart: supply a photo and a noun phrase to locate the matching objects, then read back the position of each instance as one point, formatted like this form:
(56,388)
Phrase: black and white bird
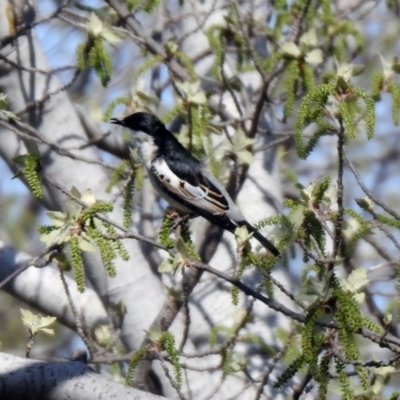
(181,179)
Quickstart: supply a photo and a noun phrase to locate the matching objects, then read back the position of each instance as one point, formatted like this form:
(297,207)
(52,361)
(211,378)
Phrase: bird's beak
(117,121)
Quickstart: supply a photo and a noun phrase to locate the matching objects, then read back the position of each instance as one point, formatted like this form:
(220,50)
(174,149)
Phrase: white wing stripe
(194,195)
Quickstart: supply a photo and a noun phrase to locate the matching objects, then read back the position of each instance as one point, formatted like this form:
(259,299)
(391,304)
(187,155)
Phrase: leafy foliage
(133,363)
(167,342)
(32,165)
(295,60)
(81,229)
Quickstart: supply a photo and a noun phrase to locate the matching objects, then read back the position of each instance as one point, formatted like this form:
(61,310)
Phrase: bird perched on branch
(181,179)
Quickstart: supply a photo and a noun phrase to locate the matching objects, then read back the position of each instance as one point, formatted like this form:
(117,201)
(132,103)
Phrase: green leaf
(359,297)
(347,71)
(57,218)
(305,192)
(245,156)
(365,203)
(95,25)
(192,92)
(102,335)
(314,56)
(36,322)
(9,114)
(240,140)
(356,280)
(242,234)
(387,319)
(198,98)
(384,371)
(166,266)
(291,49)
(75,192)
(297,217)
(109,36)
(309,38)
(147,98)
(88,198)
(85,244)
(56,236)
(20,160)
(171,47)
(178,262)
(48,331)
(181,246)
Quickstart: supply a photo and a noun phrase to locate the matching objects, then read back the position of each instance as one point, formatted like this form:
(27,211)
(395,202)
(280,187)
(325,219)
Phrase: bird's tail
(264,241)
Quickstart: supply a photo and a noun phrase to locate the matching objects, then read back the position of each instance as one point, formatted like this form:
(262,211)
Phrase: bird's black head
(141,121)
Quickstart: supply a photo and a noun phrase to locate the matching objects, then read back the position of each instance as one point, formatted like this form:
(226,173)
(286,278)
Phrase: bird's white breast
(146,146)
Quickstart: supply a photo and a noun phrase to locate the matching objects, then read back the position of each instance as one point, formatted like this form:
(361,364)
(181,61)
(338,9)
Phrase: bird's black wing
(187,184)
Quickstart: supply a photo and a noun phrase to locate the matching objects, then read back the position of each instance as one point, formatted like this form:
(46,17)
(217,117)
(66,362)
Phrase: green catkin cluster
(99,207)
(214,36)
(270,62)
(150,5)
(394,396)
(198,118)
(347,119)
(107,252)
(167,340)
(81,55)
(185,234)
(308,338)
(94,54)
(117,244)
(311,108)
(110,108)
(322,376)
(283,17)
(370,118)
(311,227)
(323,127)
(307,77)
(376,85)
(372,326)
(290,371)
(32,164)
(394,90)
(344,380)
(340,48)
(100,60)
(172,113)
(133,362)
(292,74)
(149,63)
(349,311)
(350,320)
(214,163)
(165,232)
(118,172)
(227,354)
(319,190)
(187,63)
(398,282)
(128,200)
(77,263)
(146,5)
(245,261)
(258,341)
(363,230)
(384,219)
(241,51)
(327,15)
